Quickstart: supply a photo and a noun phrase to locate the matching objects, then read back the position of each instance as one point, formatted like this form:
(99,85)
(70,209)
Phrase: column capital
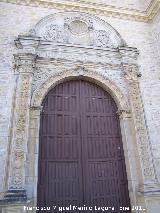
(36,109)
(129,54)
(124,113)
(39,108)
(24,63)
(131,72)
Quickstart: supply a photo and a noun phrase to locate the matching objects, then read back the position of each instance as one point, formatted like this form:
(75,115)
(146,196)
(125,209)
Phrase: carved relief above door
(78,29)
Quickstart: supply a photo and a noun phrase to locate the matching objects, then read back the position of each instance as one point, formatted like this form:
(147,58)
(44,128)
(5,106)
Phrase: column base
(14,196)
(150,192)
(149,189)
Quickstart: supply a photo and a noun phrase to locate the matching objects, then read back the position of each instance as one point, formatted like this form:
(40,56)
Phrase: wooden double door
(81,158)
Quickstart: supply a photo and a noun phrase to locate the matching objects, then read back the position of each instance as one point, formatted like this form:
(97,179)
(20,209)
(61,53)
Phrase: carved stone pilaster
(24,67)
(131,74)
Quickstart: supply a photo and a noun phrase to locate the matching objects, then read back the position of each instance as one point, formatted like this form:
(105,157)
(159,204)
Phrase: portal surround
(116,71)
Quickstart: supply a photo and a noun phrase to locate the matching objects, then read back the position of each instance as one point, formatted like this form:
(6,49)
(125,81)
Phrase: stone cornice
(31,46)
(93,8)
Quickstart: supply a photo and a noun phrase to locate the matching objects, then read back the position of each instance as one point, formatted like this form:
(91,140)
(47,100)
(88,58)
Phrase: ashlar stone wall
(153,112)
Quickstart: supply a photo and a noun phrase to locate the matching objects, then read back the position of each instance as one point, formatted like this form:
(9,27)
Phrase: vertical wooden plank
(100,141)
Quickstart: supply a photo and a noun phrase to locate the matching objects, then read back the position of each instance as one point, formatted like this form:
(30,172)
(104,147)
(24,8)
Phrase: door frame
(79,100)
(23,170)
(134,173)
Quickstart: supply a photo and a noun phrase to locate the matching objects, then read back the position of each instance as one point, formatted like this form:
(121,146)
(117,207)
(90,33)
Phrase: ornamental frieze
(54,33)
(47,70)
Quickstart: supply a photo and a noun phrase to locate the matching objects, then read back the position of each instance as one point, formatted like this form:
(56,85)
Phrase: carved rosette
(102,39)
(24,65)
(131,74)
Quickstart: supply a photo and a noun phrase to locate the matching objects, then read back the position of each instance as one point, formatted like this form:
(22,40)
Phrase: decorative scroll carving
(40,75)
(78,70)
(131,72)
(25,67)
(102,39)
(77,28)
(131,75)
(56,67)
(55,33)
(17,177)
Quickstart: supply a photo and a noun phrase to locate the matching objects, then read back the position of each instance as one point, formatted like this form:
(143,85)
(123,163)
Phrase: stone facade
(42,47)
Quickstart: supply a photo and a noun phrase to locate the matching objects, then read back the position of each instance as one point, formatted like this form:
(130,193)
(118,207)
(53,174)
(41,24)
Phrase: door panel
(81,153)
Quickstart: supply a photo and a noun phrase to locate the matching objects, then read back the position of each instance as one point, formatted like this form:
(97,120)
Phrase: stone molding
(48,51)
(80,72)
(98,9)
(124,114)
(149,189)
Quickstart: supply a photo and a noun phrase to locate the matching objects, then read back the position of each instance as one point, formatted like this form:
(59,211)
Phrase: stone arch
(118,96)
(105,83)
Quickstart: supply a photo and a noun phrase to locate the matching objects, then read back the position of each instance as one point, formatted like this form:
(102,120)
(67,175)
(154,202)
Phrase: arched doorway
(81,159)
